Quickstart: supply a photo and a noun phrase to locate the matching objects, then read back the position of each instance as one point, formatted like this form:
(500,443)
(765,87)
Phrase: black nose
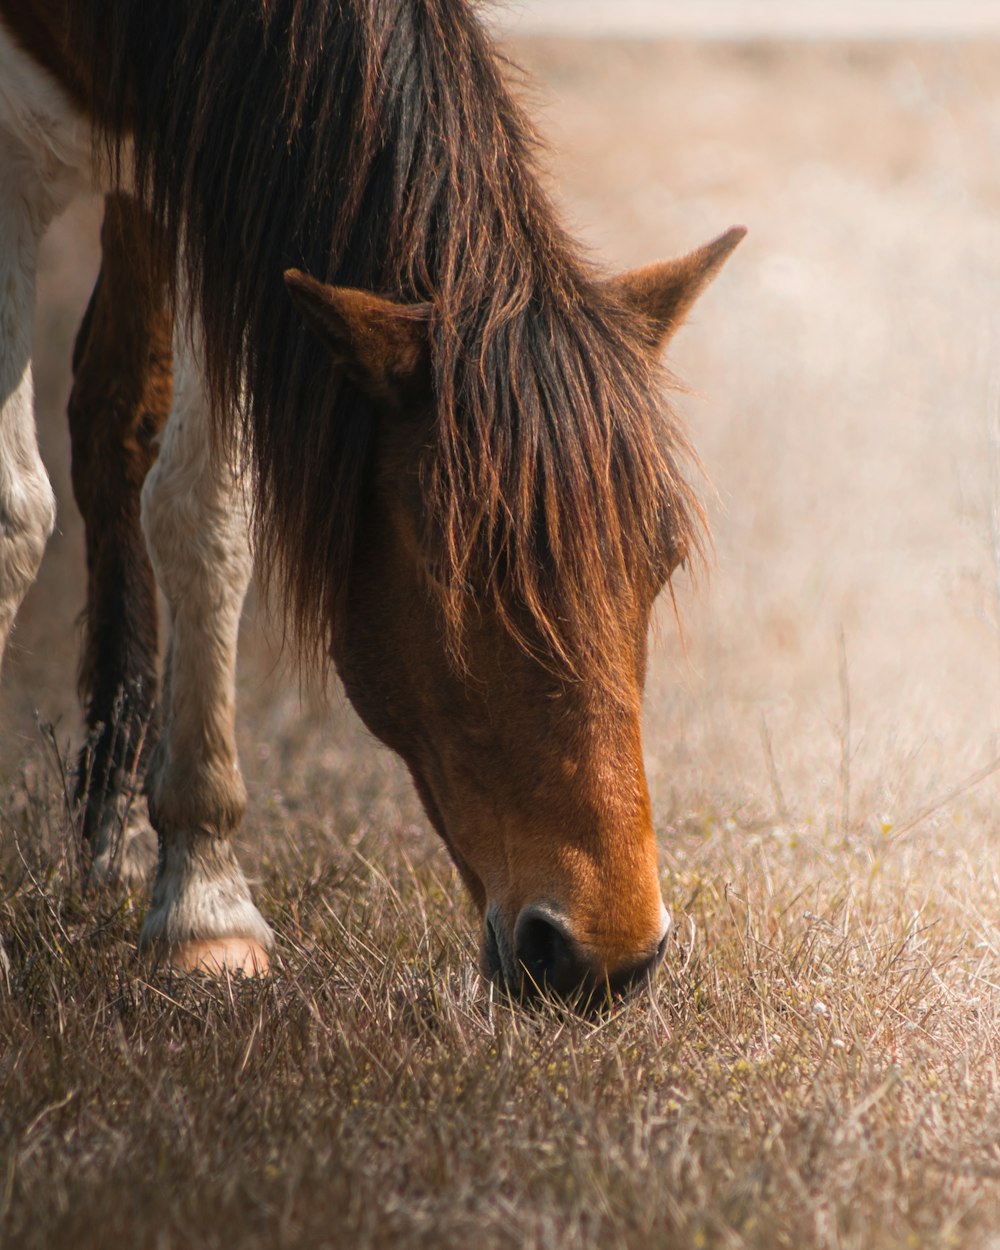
(547,956)
(550,961)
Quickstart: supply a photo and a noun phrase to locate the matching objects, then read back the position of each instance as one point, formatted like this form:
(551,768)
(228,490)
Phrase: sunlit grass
(816,1064)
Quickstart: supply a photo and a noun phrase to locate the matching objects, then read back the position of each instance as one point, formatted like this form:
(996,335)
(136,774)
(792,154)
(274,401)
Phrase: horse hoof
(220,956)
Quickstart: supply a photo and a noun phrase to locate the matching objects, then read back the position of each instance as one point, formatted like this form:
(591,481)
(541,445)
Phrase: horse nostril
(547,953)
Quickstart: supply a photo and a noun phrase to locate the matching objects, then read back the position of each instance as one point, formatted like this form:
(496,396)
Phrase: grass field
(818,1063)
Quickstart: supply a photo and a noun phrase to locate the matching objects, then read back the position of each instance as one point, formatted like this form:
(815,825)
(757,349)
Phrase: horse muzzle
(541,957)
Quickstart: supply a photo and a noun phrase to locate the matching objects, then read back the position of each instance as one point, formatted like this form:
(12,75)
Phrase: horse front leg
(27,504)
(118,407)
(195,520)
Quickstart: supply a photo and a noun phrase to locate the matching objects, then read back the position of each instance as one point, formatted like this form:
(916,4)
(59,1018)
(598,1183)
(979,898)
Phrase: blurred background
(841,669)
(742,19)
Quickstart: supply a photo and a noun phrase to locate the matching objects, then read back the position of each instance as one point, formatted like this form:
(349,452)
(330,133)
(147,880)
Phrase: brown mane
(374,143)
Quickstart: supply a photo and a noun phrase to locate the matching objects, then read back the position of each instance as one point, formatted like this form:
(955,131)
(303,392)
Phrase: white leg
(27,505)
(194,519)
(44,162)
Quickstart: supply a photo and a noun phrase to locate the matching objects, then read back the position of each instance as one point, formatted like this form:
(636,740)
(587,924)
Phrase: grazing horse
(450,444)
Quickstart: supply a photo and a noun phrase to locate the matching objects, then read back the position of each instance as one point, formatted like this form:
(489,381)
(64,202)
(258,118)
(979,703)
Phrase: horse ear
(381,345)
(664,293)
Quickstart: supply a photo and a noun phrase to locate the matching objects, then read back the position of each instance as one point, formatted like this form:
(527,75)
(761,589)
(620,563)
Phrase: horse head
(529,768)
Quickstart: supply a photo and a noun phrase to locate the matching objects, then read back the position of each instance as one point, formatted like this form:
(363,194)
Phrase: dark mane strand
(374,143)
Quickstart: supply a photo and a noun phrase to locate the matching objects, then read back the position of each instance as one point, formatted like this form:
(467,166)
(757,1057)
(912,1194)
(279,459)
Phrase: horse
(338,320)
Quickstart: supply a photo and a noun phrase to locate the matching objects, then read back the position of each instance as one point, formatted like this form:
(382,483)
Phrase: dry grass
(817,1065)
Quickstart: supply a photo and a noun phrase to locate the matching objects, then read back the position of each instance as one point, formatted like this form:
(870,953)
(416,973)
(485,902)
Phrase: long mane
(375,143)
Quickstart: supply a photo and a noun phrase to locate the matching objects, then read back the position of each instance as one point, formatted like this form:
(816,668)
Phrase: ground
(817,1064)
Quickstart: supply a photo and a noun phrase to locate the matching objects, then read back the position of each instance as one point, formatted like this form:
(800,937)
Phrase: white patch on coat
(201,894)
(45,148)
